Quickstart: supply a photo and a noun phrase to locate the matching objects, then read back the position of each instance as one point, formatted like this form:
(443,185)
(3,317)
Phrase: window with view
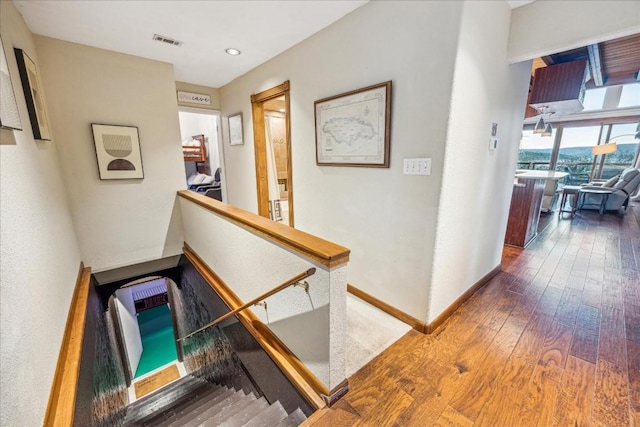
(535,150)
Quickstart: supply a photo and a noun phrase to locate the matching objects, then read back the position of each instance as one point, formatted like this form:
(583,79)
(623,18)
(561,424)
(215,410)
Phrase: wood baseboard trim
(461,299)
(389,309)
(299,375)
(337,393)
(62,399)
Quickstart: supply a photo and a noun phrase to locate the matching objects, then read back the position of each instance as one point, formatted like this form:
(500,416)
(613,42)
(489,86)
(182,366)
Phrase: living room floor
(554,339)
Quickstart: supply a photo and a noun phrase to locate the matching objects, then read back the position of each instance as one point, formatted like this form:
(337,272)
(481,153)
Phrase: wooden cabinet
(524,213)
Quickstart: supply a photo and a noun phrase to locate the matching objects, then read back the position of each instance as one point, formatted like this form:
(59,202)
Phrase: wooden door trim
(260,143)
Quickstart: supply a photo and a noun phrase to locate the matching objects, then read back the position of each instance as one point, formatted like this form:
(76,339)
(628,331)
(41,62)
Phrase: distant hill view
(625,154)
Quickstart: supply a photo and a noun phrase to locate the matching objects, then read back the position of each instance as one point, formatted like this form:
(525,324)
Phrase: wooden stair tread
(212,407)
(223,410)
(194,404)
(293,420)
(167,394)
(269,416)
(243,416)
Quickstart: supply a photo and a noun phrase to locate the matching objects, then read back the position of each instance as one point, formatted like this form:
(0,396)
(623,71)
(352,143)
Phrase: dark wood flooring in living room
(554,339)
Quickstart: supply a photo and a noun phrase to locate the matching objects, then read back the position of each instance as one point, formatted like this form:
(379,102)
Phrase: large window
(627,146)
(535,150)
(569,149)
(574,155)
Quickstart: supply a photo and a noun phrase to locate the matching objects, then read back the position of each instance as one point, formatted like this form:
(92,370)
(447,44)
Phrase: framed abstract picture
(33,95)
(9,116)
(117,151)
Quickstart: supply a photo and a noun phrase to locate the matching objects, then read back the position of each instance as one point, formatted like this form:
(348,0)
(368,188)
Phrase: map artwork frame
(353,128)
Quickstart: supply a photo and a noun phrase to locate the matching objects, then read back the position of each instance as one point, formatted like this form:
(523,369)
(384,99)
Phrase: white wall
(545,27)
(387,219)
(311,325)
(117,222)
(477,183)
(39,255)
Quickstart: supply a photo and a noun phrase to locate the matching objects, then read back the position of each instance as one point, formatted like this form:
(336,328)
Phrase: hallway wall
(39,253)
(118,222)
(386,218)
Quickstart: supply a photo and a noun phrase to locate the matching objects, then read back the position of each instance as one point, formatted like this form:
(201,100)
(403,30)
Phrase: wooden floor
(554,339)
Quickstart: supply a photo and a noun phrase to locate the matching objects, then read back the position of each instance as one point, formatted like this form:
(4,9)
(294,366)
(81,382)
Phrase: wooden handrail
(319,250)
(285,285)
(62,400)
(297,372)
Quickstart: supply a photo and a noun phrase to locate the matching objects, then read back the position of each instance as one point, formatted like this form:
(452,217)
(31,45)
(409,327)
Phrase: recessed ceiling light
(232,51)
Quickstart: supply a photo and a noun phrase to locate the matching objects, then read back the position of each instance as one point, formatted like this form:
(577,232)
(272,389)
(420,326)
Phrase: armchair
(622,187)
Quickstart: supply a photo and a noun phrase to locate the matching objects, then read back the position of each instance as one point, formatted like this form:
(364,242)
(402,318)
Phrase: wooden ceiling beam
(595,65)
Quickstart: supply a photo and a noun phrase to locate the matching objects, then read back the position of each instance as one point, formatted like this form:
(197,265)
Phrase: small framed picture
(33,95)
(235,129)
(9,116)
(117,151)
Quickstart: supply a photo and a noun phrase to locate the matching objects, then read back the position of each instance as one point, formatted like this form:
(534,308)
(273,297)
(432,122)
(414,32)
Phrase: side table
(604,192)
(569,190)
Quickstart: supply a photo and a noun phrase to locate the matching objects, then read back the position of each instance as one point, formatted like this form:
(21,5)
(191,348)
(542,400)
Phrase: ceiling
(260,29)
(616,61)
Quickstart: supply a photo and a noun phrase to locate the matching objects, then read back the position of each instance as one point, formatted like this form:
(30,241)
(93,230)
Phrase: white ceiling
(260,29)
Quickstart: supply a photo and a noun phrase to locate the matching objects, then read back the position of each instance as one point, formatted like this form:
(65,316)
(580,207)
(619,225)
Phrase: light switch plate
(421,166)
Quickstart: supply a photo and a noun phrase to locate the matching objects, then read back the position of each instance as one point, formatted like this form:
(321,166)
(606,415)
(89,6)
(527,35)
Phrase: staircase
(192,402)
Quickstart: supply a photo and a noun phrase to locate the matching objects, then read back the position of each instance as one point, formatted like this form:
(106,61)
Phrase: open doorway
(202,151)
(272,144)
(146,326)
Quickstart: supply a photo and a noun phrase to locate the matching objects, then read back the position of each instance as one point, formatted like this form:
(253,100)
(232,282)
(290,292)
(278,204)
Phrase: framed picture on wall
(117,151)
(235,129)
(9,116)
(33,95)
(352,129)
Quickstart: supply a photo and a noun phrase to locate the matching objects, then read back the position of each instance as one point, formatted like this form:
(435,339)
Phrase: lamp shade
(540,126)
(604,149)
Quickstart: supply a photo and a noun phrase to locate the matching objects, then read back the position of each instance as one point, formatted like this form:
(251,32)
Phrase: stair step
(195,404)
(293,420)
(268,417)
(211,407)
(246,414)
(219,414)
(164,403)
(159,398)
(167,411)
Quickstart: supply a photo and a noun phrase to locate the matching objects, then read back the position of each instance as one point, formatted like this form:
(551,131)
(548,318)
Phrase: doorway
(200,127)
(272,145)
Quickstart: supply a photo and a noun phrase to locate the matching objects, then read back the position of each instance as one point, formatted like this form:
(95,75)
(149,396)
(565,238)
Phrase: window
(535,150)
(574,155)
(630,96)
(594,99)
(627,146)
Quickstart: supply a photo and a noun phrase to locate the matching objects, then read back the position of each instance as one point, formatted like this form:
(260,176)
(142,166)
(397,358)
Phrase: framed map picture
(352,129)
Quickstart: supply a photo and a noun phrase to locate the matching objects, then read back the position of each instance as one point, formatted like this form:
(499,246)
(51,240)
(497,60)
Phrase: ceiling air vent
(167,40)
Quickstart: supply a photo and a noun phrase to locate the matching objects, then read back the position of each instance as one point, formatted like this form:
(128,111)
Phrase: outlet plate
(421,166)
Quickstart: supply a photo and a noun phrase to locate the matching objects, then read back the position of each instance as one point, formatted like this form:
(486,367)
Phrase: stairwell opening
(223,361)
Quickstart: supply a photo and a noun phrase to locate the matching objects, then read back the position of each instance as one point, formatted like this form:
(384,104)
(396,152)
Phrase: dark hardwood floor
(553,340)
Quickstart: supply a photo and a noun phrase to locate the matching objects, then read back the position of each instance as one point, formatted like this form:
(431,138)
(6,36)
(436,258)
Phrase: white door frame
(218,117)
